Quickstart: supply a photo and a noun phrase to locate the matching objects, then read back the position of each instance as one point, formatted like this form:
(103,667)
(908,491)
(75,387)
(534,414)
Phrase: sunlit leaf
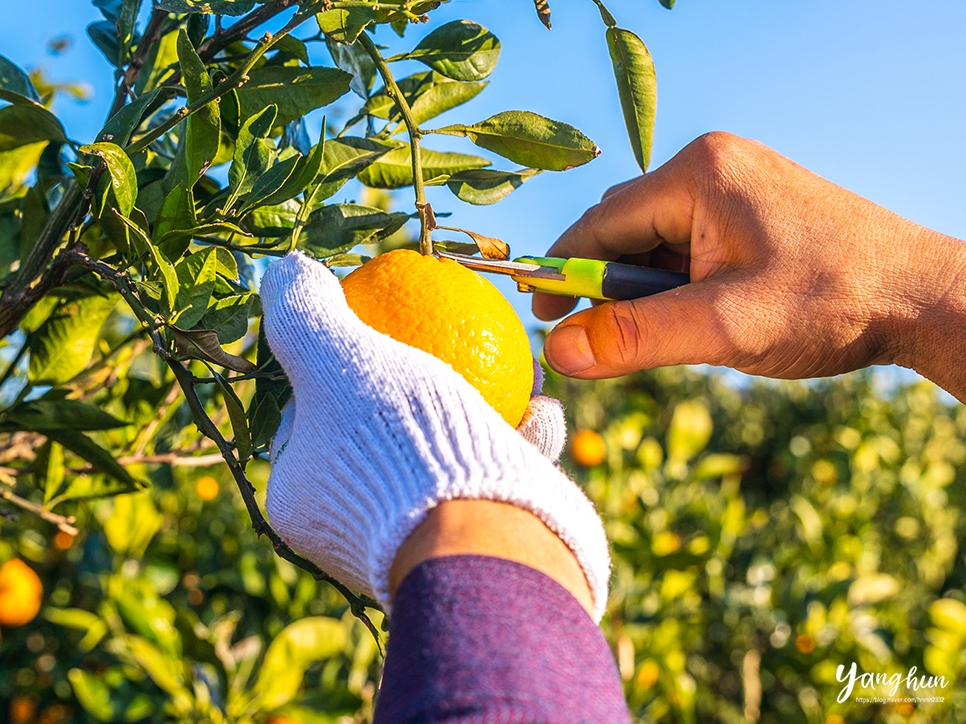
(461,50)
(120,174)
(395,169)
(299,645)
(63,347)
(531,140)
(485,186)
(295,91)
(344,25)
(637,87)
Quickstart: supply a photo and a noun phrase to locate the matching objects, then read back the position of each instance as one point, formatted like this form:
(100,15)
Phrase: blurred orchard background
(764,533)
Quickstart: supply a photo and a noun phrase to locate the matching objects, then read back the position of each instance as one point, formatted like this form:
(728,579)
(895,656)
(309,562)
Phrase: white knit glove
(384,432)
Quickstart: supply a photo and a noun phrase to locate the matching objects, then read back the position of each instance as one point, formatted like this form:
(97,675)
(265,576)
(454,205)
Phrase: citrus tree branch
(392,90)
(64,523)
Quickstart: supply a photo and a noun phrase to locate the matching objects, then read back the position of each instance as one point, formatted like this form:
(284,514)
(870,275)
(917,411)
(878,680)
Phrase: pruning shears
(590,278)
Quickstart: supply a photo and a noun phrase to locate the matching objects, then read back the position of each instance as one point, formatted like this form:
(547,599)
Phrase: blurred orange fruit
(587,448)
(21,593)
(63,541)
(453,313)
(805,643)
(207,488)
(22,709)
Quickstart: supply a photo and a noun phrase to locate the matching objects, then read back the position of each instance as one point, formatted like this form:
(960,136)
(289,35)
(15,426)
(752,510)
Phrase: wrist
(498,530)
(929,321)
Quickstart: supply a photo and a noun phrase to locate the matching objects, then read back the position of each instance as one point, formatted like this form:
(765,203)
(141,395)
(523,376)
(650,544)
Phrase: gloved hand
(383,432)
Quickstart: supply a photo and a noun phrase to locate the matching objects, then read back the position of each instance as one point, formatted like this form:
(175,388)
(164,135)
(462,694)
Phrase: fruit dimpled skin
(453,313)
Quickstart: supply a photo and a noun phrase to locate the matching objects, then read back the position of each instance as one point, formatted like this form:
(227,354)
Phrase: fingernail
(568,350)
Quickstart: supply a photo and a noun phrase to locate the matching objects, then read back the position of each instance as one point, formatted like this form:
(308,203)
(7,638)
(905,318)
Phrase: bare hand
(792,276)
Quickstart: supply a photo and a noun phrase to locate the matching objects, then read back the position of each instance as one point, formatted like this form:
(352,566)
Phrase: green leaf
(264,421)
(13,79)
(461,50)
(165,268)
(484,186)
(299,645)
(177,214)
(253,154)
(126,24)
(129,529)
(339,227)
(270,183)
(49,469)
(428,94)
(295,91)
(25,122)
(196,279)
(344,158)
(689,431)
(62,348)
(303,175)
(236,415)
(92,694)
(87,486)
(120,171)
(395,169)
(15,166)
(203,344)
(164,669)
(667,3)
(443,95)
(51,414)
(94,626)
(159,65)
(274,384)
(531,140)
(637,87)
(344,26)
(229,317)
(354,59)
(209,7)
(273,221)
(203,133)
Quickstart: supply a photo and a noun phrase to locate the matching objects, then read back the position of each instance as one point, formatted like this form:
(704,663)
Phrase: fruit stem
(392,90)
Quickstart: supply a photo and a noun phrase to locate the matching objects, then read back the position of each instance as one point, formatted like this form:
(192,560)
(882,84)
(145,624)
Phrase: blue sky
(869,94)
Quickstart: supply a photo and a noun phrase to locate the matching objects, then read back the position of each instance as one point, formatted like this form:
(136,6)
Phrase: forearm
(478,639)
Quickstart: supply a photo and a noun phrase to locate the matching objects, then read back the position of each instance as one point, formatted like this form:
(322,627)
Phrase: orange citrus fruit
(20,593)
(206,488)
(453,313)
(587,448)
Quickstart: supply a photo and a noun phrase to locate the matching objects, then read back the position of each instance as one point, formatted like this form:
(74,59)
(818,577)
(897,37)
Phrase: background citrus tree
(761,535)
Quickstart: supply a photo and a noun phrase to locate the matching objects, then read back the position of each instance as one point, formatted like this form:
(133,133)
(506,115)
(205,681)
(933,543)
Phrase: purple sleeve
(480,640)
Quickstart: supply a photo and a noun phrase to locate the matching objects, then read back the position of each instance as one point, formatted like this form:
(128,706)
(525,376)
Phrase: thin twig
(392,90)
(64,523)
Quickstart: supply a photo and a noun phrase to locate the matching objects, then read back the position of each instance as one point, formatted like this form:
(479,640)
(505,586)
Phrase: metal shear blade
(514,268)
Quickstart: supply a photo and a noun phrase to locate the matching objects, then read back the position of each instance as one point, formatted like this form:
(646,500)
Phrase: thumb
(618,338)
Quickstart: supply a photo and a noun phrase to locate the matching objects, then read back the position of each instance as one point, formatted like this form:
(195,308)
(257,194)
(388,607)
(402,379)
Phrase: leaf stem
(392,90)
